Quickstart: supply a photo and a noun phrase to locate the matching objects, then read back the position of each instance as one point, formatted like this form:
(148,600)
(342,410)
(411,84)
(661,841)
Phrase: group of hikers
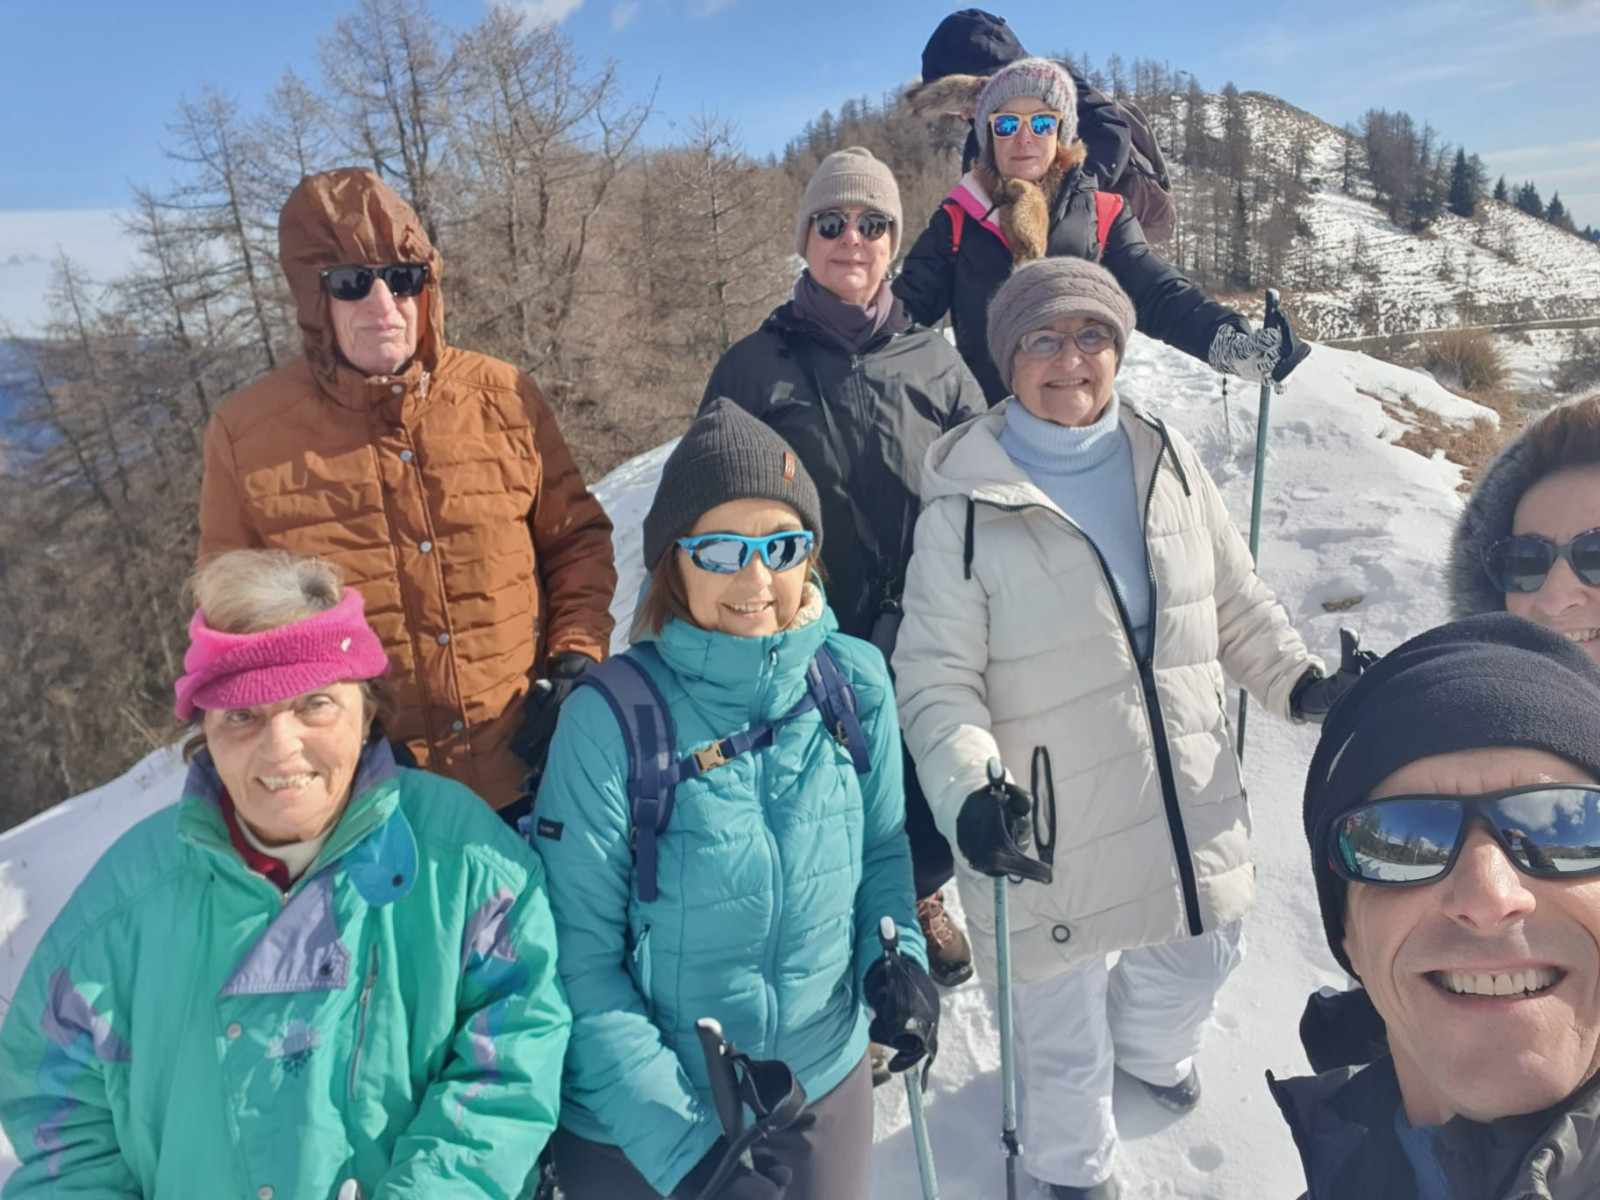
(876,564)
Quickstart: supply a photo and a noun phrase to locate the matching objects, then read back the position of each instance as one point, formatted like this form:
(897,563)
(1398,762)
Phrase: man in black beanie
(1453,814)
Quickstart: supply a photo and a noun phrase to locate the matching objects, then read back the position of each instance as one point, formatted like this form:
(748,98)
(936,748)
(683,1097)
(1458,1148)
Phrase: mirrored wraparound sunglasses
(1042,124)
(1047,343)
(1549,831)
(727,553)
(354,283)
(1520,563)
(832,222)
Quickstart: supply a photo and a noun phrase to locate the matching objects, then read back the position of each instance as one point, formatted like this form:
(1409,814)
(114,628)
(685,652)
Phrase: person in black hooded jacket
(860,392)
(1031,194)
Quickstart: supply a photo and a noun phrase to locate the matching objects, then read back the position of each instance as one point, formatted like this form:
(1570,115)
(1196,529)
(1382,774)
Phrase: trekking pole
(724,1080)
(1002,936)
(1227,420)
(1255,494)
(889,937)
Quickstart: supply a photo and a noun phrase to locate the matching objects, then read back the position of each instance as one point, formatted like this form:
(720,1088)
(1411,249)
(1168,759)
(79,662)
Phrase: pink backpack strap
(1106,207)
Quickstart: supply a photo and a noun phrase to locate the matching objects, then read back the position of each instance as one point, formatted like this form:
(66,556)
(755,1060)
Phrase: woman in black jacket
(1028,196)
(860,392)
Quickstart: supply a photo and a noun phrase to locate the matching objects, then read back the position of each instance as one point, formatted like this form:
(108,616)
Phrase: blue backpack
(647,730)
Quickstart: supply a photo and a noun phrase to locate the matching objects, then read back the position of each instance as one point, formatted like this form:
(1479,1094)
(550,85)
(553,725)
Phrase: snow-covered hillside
(1380,278)
(1347,514)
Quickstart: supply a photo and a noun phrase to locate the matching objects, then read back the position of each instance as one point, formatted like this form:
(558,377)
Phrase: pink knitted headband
(242,670)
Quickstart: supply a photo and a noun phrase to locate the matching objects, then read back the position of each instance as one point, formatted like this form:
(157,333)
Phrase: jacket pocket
(363,1014)
(639,968)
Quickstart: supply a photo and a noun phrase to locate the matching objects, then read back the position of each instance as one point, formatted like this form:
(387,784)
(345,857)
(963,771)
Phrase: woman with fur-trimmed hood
(1528,541)
(1029,196)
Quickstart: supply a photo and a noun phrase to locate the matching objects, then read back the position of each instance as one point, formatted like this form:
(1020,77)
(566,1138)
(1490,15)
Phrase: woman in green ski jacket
(759,901)
(317,975)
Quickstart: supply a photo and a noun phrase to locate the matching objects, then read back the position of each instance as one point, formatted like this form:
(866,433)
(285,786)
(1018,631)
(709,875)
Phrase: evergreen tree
(1556,213)
(1463,193)
(1528,200)
(1501,193)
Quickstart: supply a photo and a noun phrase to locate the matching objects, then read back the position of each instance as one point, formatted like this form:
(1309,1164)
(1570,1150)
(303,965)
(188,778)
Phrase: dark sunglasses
(831,224)
(1043,124)
(727,553)
(1047,343)
(354,283)
(1549,831)
(1520,563)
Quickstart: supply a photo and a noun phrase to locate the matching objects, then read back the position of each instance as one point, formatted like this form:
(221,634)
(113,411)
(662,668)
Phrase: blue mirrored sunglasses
(1043,124)
(1550,831)
(727,553)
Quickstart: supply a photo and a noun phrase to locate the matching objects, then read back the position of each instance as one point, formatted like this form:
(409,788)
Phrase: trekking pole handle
(724,1085)
(915,1036)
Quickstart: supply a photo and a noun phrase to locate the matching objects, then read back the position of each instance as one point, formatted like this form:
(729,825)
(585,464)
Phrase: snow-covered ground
(1346,514)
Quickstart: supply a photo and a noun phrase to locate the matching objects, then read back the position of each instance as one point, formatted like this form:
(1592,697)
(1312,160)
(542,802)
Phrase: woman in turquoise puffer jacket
(772,873)
(317,976)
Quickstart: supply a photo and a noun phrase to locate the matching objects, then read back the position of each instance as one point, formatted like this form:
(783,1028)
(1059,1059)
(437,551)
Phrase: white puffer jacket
(1013,638)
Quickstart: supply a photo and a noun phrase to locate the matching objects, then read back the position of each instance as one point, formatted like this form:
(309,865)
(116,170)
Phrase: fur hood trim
(951,96)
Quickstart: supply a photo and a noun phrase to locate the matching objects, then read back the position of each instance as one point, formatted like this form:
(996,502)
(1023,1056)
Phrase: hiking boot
(880,1056)
(1108,1188)
(1181,1097)
(949,953)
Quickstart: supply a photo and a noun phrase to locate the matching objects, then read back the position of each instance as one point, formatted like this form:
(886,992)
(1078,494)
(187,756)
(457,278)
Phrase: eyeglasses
(1520,563)
(831,223)
(1047,343)
(727,553)
(354,283)
(1043,124)
(1549,831)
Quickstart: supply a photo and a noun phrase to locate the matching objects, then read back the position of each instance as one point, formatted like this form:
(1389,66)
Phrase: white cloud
(622,16)
(1583,147)
(709,8)
(544,12)
(29,241)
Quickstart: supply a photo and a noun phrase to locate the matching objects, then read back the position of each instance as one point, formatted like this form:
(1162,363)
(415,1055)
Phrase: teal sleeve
(58,1045)
(483,1122)
(621,1076)
(886,888)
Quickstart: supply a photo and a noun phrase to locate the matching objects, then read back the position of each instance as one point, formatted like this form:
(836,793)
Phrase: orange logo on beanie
(788,467)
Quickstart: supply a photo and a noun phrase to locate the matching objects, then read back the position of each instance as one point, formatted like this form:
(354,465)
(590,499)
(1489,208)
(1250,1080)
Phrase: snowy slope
(1379,278)
(1346,513)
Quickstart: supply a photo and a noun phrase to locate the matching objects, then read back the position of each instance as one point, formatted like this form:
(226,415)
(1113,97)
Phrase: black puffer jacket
(934,281)
(1343,1123)
(861,425)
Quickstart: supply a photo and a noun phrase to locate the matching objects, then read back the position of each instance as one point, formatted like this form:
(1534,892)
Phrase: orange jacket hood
(345,217)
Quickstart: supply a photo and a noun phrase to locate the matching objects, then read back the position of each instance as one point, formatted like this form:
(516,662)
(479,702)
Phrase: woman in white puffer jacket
(1076,593)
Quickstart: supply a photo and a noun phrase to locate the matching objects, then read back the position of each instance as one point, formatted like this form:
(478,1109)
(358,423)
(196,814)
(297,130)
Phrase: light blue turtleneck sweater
(1088,473)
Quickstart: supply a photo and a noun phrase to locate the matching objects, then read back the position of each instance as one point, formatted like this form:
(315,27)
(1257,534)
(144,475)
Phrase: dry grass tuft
(1468,358)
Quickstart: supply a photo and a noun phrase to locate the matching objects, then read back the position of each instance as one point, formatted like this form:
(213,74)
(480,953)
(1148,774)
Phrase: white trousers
(1144,1015)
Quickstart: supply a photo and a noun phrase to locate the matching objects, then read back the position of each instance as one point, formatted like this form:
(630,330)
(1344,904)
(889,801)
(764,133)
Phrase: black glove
(532,741)
(766,1182)
(905,1010)
(1315,693)
(994,834)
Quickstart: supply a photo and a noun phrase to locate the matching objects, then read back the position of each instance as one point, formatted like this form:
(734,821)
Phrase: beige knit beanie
(1048,289)
(850,177)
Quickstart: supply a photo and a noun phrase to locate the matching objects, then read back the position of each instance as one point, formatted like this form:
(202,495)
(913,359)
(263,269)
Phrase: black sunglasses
(354,283)
(1549,831)
(831,224)
(1520,563)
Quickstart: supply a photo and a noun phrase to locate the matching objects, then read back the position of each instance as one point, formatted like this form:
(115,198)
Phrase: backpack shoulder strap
(836,704)
(647,731)
(958,221)
(1106,207)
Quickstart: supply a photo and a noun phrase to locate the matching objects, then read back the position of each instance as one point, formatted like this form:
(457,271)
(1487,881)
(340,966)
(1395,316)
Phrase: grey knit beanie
(1048,289)
(726,455)
(848,177)
(1045,81)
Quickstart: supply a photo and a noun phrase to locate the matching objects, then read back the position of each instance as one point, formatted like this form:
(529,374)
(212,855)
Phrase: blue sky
(87,86)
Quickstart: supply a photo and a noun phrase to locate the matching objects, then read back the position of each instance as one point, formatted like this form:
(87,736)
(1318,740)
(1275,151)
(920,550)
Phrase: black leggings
(932,864)
(828,1149)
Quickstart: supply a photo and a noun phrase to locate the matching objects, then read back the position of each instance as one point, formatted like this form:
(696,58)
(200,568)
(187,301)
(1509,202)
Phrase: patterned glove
(1251,356)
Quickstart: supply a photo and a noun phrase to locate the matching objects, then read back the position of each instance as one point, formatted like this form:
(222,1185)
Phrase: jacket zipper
(777,901)
(1147,681)
(361,1027)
